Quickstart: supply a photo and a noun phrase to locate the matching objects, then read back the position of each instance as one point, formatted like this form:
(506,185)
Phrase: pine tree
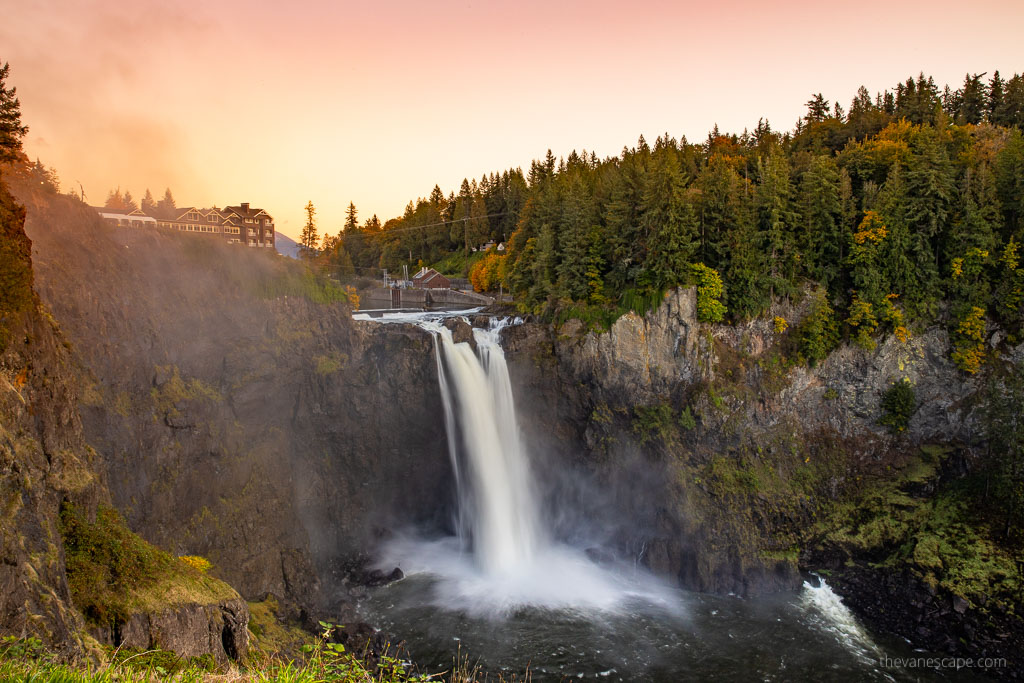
(821,215)
(573,231)
(907,264)
(166,205)
(11,129)
(669,223)
(817,109)
(994,99)
(776,222)
(115,200)
(309,238)
(928,204)
(971,100)
(673,244)
(1010,184)
(148,204)
(720,195)
(622,214)
(351,218)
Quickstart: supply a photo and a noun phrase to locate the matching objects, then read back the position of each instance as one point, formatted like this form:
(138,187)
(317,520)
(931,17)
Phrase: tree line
(906,208)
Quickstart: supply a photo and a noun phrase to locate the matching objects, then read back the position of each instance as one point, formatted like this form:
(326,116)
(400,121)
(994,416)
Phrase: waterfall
(497,509)
(503,558)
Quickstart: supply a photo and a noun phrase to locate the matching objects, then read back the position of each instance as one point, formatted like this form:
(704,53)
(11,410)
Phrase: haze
(375,102)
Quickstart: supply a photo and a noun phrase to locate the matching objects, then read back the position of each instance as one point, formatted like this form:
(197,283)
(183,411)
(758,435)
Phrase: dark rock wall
(714,504)
(271,434)
(43,457)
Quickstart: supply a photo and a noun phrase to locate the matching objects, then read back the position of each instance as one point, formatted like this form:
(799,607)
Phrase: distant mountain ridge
(286,245)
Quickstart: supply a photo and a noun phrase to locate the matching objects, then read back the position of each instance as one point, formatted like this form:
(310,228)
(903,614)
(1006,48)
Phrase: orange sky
(375,102)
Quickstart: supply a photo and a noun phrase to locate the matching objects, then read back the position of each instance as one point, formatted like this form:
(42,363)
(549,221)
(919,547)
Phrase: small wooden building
(428,278)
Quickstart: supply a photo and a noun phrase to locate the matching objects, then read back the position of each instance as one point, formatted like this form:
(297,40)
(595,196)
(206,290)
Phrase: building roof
(118,212)
(245,211)
(427,275)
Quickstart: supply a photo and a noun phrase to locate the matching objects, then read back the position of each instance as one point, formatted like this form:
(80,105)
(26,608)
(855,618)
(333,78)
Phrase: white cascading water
(503,522)
(503,558)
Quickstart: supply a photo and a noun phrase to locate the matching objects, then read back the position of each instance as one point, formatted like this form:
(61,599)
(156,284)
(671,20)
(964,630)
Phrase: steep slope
(50,574)
(241,414)
(43,457)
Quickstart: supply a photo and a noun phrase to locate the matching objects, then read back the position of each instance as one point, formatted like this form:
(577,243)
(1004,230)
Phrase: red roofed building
(428,278)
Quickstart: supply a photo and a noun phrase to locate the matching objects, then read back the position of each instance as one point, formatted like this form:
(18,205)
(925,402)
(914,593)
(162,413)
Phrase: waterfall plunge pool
(803,636)
(515,601)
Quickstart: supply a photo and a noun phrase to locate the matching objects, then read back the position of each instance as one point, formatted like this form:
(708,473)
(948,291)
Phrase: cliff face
(719,449)
(237,418)
(43,460)
(721,463)
(45,465)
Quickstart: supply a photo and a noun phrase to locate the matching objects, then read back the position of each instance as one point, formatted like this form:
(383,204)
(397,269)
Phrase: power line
(434,225)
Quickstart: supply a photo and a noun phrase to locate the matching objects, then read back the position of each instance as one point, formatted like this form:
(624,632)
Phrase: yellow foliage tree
(862,319)
(486,274)
(969,341)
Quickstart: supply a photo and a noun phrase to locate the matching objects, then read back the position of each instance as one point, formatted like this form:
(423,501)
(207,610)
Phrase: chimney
(245,206)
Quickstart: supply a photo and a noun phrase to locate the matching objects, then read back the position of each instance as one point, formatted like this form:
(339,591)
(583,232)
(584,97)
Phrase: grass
(299,280)
(113,573)
(25,659)
(457,264)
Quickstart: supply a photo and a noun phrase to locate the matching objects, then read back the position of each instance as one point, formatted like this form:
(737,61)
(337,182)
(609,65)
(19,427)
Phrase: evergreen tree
(776,221)
(351,218)
(817,109)
(907,264)
(971,100)
(166,205)
(11,129)
(1010,184)
(115,200)
(545,265)
(821,216)
(674,244)
(129,202)
(669,223)
(626,243)
(744,275)
(309,238)
(148,204)
(578,215)
(869,275)
(720,195)
(994,99)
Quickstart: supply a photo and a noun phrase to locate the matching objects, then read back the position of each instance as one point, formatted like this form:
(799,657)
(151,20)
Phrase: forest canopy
(905,207)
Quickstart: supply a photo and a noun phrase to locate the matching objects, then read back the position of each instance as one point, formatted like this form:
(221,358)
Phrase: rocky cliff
(722,461)
(239,413)
(46,469)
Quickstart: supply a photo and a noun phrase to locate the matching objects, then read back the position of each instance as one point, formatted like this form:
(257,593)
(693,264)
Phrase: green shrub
(818,333)
(651,422)
(898,405)
(686,419)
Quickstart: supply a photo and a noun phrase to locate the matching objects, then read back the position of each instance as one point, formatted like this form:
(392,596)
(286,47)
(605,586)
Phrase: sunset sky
(375,102)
